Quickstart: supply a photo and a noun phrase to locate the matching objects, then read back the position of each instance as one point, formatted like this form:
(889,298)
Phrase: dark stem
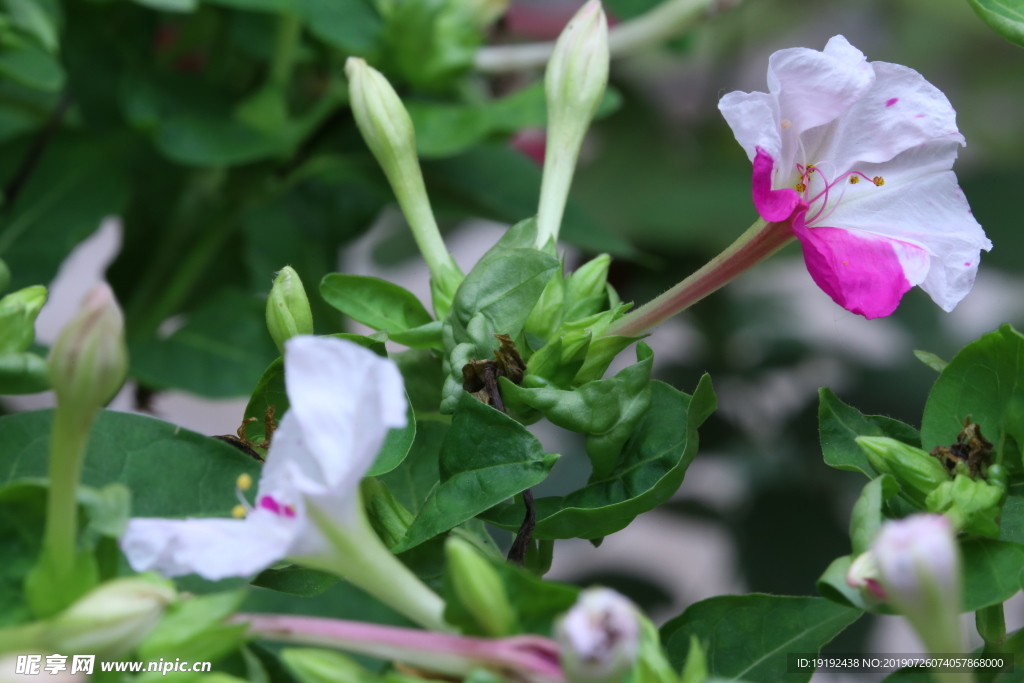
(517,553)
(35,152)
(491,384)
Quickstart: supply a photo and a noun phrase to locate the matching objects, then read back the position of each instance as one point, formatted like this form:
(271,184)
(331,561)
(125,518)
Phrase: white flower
(344,399)
(599,637)
(857,155)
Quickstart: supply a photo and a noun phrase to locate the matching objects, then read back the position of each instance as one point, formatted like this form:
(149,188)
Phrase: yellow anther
(878,180)
(239,512)
(786,123)
(800,187)
(854,179)
(244,482)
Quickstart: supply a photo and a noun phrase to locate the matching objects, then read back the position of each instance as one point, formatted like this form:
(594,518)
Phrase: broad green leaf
(1006,17)
(496,182)
(170,471)
(412,482)
(991,570)
(607,410)
(23,373)
(536,603)
(427,336)
(486,458)
(22,518)
(197,139)
(270,393)
(749,636)
(649,471)
(39,19)
(78,182)
(219,352)
(840,424)
(867,517)
(832,584)
(377,303)
(1011,523)
(32,67)
(273,6)
(986,382)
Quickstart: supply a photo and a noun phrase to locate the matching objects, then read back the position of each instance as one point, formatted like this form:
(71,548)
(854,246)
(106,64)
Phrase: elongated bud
(917,472)
(288,312)
(18,312)
(89,360)
(546,316)
(479,588)
(114,618)
(599,637)
(388,132)
(585,289)
(574,83)
(389,518)
(919,569)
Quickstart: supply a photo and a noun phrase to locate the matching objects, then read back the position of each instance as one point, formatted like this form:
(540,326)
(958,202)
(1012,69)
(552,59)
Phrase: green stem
(67,451)
(564,141)
(289,30)
(759,242)
(361,558)
(991,625)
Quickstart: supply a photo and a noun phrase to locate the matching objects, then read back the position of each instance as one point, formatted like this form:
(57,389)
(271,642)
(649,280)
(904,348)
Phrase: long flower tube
(533,658)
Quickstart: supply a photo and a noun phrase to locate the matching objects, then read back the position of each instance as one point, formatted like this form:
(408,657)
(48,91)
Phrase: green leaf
(270,393)
(649,472)
(170,5)
(840,424)
(325,666)
(749,636)
(431,42)
(1005,17)
(412,482)
(607,410)
(377,303)
(496,182)
(32,67)
(78,182)
(295,580)
(194,629)
(832,584)
(867,517)
(353,26)
(23,373)
(991,570)
(195,474)
(219,352)
(486,458)
(22,518)
(931,360)
(1011,523)
(986,382)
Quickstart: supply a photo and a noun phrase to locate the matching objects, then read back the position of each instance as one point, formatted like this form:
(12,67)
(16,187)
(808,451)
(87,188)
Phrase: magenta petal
(861,272)
(773,205)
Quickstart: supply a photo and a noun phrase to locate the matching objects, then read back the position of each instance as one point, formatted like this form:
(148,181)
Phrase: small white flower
(344,399)
(599,637)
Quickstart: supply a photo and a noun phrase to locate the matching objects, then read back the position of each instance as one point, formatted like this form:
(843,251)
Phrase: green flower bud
(89,360)
(5,277)
(599,637)
(585,292)
(558,362)
(997,476)
(574,84)
(479,588)
(288,312)
(917,472)
(18,312)
(113,619)
(387,516)
(388,131)
(972,505)
(546,315)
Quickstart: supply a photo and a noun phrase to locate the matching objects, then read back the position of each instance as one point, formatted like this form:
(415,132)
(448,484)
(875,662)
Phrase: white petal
(345,399)
(900,111)
(752,117)
(921,204)
(213,548)
(814,88)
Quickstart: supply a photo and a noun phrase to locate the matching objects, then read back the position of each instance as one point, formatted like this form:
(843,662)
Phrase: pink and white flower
(857,156)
